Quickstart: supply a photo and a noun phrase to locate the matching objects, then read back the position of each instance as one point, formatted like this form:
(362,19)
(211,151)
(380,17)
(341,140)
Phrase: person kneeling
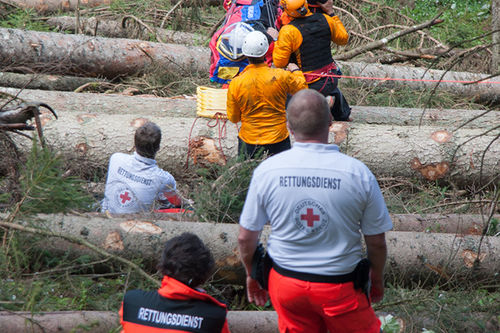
(134,182)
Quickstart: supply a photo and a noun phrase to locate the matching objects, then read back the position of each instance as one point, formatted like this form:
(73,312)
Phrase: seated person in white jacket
(135,182)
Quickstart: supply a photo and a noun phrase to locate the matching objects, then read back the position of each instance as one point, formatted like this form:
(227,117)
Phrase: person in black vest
(324,6)
(306,41)
(179,305)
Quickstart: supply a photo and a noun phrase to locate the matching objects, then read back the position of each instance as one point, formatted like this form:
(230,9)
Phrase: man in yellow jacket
(257,98)
(306,41)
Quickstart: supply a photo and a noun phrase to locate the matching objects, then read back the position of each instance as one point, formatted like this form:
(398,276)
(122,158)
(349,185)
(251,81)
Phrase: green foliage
(46,189)
(5,198)
(35,280)
(462,309)
(493,227)
(464,19)
(23,19)
(221,194)
(389,324)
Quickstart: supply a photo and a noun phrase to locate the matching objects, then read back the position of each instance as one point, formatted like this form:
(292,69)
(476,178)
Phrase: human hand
(377,291)
(327,7)
(255,293)
(273,33)
(292,67)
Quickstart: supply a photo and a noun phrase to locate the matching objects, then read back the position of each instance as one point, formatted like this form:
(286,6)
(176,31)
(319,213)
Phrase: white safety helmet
(255,44)
(231,40)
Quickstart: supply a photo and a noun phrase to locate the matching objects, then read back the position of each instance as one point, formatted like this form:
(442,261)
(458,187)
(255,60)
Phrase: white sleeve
(169,185)
(253,217)
(375,219)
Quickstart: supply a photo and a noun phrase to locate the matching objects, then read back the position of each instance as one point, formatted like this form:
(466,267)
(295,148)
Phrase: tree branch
(83,242)
(384,41)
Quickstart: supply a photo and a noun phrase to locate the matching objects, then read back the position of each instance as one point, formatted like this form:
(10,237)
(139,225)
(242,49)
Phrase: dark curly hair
(186,259)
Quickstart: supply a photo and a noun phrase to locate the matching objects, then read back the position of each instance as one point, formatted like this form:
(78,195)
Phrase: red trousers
(314,307)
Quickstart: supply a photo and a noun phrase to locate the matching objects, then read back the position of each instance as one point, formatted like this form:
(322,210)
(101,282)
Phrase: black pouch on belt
(362,276)
(261,266)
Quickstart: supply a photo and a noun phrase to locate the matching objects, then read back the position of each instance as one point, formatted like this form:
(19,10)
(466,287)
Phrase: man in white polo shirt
(135,181)
(319,202)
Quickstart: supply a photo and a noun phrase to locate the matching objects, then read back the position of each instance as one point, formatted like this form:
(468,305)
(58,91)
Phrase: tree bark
(415,78)
(44,82)
(94,26)
(45,6)
(464,156)
(461,224)
(411,255)
(197,2)
(56,53)
(107,321)
(115,57)
(495,25)
(146,106)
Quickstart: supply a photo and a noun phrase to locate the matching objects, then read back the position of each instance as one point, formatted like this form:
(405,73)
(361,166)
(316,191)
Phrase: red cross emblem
(310,217)
(125,197)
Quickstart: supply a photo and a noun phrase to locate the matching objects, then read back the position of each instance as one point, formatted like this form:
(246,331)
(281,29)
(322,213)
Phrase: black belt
(349,277)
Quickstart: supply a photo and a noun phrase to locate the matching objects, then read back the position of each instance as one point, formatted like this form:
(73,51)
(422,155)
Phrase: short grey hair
(308,113)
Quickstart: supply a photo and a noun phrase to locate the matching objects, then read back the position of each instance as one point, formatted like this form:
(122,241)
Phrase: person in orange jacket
(257,98)
(306,41)
(179,305)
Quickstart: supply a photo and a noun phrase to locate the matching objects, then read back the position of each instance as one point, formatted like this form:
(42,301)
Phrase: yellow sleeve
(289,41)
(232,107)
(339,33)
(296,81)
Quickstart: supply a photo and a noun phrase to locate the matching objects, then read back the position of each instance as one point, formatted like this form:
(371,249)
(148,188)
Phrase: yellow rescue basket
(211,102)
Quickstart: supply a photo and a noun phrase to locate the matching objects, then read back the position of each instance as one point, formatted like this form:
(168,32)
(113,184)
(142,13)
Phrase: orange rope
(220,117)
(220,122)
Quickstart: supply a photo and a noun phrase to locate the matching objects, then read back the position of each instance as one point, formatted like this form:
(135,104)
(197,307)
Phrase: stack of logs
(456,145)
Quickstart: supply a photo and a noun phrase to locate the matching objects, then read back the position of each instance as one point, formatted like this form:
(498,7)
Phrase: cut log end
(203,150)
(340,130)
(430,171)
(140,227)
(82,148)
(113,242)
(441,136)
(471,258)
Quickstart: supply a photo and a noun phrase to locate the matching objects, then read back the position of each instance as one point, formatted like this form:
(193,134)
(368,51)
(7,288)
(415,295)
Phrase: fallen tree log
(461,224)
(495,38)
(56,53)
(411,255)
(422,78)
(94,26)
(117,57)
(45,6)
(107,321)
(44,82)
(149,106)
(140,105)
(465,156)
